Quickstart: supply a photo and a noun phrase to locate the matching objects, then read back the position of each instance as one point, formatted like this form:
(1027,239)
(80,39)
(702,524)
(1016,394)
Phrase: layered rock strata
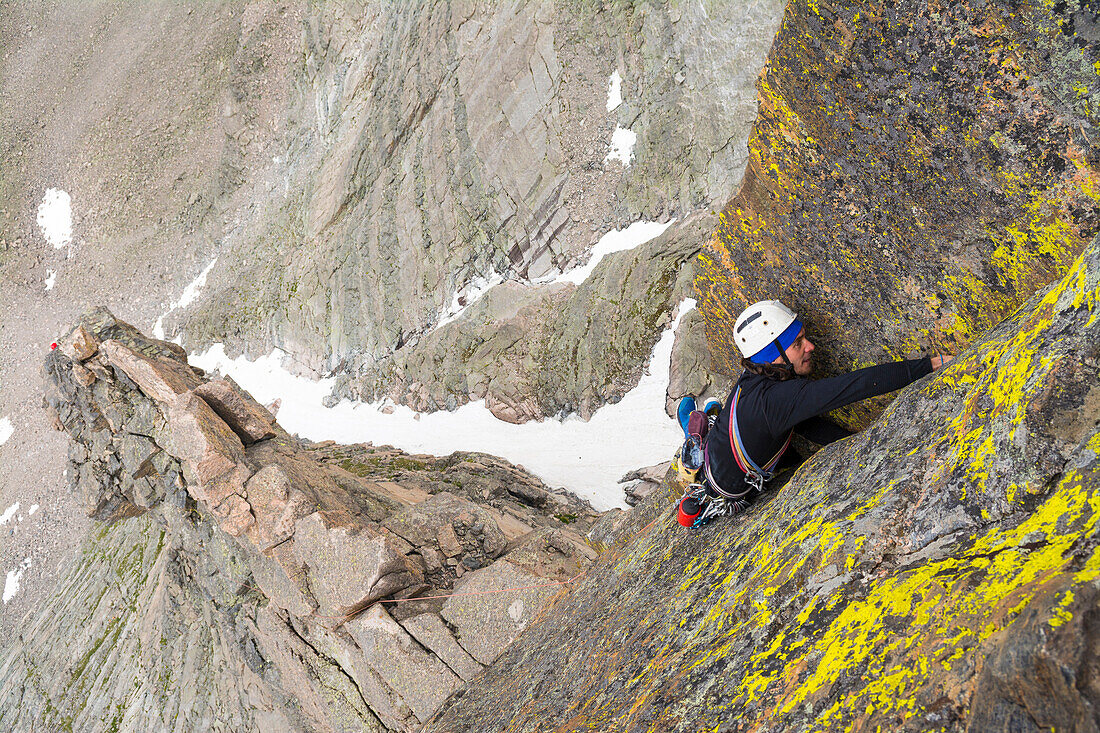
(954,148)
(242,579)
(938,571)
(533,351)
(395,191)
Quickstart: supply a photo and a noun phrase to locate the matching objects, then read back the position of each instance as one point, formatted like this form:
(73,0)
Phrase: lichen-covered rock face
(940,570)
(917,171)
(250,580)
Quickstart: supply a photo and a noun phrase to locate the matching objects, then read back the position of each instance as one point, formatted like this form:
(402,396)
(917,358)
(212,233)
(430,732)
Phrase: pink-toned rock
(79,344)
(248,418)
(512,410)
(351,567)
(432,633)
(235,515)
(419,678)
(277,506)
(160,379)
(82,375)
(212,454)
(448,541)
(434,521)
(407,495)
(486,620)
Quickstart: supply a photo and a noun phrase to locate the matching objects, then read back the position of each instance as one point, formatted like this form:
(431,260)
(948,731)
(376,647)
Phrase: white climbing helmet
(762,324)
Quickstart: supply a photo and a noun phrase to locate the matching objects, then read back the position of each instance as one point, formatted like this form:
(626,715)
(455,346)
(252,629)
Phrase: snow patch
(10,512)
(588,458)
(189,295)
(622,146)
(11,585)
(32,510)
(51,278)
(6,429)
(614,91)
(469,295)
(616,240)
(191,292)
(55,218)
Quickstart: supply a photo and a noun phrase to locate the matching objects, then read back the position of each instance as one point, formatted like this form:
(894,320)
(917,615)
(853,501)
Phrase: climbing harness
(706,500)
(755,476)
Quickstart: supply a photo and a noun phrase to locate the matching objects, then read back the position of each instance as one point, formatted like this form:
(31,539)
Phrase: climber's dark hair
(778,372)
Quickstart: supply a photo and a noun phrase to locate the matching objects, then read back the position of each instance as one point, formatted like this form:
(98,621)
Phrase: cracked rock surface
(243,579)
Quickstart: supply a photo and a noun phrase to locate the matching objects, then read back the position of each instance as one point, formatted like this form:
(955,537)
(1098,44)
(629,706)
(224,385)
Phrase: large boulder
(351,566)
(486,619)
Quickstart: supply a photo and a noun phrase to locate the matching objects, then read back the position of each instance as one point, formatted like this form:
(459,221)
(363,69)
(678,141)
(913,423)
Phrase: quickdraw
(706,507)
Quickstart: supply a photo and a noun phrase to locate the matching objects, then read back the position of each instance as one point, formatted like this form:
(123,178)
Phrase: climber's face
(799,354)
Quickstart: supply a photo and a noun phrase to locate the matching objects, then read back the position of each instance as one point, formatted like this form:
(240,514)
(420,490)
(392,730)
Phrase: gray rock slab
(349,567)
(487,620)
(281,578)
(418,677)
(429,630)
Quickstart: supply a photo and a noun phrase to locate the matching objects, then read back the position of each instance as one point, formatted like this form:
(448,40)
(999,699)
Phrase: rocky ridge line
(257,563)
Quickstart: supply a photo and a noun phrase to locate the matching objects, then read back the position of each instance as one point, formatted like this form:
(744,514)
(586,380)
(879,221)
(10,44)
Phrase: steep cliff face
(917,172)
(536,351)
(245,580)
(435,145)
(347,170)
(940,570)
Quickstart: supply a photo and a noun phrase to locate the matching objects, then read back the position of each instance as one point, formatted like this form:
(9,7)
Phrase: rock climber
(749,441)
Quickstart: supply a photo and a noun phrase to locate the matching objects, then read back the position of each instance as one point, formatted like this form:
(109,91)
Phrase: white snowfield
(588,458)
(11,584)
(55,218)
(616,240)
(614,91)
(10,512)
(622,146)
(189,295)
(469,295)
(6,429)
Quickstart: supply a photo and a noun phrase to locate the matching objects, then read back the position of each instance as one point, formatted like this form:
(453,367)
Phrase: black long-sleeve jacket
(768,410)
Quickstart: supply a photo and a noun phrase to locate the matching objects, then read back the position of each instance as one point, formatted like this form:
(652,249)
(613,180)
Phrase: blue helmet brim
(769,353)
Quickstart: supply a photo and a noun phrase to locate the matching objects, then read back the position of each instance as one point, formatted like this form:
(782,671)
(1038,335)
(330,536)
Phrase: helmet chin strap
(783,353)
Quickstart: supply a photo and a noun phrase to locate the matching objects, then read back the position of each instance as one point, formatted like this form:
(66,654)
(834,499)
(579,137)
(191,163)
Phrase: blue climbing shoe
(683,412)
(713,407)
